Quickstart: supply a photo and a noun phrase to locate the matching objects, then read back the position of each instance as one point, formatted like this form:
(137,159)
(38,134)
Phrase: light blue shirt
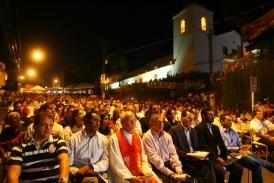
(231,139)
(84,150)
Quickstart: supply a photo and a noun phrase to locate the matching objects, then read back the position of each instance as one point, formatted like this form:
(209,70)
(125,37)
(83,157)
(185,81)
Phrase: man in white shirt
(260,131)
(88,152)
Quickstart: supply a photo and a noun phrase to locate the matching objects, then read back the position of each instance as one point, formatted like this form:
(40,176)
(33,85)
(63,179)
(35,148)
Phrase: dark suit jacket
(202,170)
(210,142)
(180,141)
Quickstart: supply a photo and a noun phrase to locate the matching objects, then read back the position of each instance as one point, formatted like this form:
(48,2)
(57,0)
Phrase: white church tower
(195,47)
(192,40)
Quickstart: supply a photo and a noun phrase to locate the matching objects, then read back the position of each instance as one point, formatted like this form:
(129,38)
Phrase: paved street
(268,177)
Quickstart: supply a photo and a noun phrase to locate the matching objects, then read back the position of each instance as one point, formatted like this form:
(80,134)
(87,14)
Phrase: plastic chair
(258,149)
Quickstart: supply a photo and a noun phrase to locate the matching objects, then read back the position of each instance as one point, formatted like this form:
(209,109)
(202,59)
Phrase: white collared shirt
(84,150)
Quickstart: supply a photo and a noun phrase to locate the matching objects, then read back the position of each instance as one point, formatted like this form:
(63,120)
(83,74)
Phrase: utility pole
(210,53)
(103,75)
(63,80)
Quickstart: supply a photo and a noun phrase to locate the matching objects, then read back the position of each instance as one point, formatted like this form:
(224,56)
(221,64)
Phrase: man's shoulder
(175,128)
(146,134)
(255,120)
(26,142)
(56,140)
(57,125)
(101,136)
(214,126)
(113,137)
(201,125)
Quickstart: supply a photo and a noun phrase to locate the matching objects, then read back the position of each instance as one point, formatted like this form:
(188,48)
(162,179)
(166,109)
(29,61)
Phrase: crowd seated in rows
(69,121)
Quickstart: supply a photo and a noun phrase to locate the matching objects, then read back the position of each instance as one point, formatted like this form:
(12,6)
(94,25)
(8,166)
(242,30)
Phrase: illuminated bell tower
(192,29)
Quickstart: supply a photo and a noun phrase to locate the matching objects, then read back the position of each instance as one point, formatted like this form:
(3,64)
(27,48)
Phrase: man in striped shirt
(40,158)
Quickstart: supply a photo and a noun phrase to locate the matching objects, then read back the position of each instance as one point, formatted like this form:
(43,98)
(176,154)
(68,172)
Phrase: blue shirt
(231,139)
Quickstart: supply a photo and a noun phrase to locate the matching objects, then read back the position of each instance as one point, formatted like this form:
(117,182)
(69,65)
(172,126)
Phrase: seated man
(128,162)
(268,122)
(186,141)
(233,144)
(210,140)
(162,152)
(88,151)
(41,158)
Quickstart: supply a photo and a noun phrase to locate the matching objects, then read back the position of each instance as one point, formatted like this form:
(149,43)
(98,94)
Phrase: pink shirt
(160,148)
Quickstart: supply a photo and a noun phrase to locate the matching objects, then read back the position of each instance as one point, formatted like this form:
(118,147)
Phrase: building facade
(195,47)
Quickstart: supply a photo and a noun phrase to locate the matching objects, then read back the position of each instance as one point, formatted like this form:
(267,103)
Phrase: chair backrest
(262,149)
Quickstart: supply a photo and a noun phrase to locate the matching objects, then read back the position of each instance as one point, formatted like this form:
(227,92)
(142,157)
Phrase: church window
(183,26)
(203,23)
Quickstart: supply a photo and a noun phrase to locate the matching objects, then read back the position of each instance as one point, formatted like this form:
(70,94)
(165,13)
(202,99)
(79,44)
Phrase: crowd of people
(82,139)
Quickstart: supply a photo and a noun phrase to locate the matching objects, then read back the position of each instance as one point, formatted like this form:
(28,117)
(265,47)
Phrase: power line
(122,53)
(141,47)
(242,13)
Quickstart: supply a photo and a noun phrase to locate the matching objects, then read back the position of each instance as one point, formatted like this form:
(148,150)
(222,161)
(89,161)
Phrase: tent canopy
(38,89)
(83,85)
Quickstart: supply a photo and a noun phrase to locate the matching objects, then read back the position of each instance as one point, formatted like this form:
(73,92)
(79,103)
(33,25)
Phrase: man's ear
(203,115)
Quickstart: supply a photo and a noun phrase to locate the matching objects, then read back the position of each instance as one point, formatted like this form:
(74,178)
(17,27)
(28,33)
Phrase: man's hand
(83,170)
(91,170)
(180,177)
(221,161)
(245,147)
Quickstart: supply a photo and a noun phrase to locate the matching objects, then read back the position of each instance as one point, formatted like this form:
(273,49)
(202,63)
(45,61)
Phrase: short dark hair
(222,117)
(89,115)
(39,116)
(184,112)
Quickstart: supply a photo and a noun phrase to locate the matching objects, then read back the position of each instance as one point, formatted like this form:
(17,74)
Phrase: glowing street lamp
(31,73)
(55,82)
(21,77)
(38,55)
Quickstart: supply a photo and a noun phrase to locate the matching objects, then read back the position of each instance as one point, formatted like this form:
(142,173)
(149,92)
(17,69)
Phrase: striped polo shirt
(38,164)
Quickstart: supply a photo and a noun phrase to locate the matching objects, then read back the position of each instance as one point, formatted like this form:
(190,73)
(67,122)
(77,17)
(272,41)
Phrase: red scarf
(132,153)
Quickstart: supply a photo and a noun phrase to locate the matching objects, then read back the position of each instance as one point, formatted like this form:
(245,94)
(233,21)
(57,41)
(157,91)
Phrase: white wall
(158,73)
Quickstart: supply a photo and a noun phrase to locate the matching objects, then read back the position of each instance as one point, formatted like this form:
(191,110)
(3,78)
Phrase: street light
(21,83)
(55,81)
(31,73)
(38,55)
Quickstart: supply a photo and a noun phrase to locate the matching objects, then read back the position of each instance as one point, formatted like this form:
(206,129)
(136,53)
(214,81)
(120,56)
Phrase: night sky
(77,35)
